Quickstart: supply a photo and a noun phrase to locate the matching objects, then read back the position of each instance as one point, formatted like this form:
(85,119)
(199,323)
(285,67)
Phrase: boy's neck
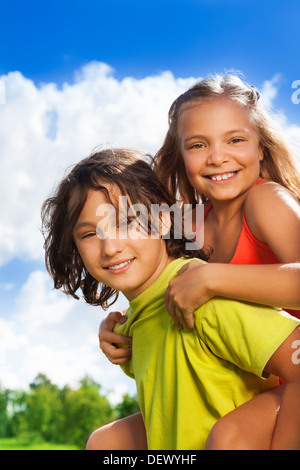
(160,269)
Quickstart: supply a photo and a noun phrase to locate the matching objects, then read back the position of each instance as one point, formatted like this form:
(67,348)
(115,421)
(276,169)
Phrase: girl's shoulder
(269,203)
(269,194)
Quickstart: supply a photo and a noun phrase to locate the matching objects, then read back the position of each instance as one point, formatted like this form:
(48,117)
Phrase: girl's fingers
(111,343)
(112,319)
(182,318)
(188,320)
(119,355)
(172,309)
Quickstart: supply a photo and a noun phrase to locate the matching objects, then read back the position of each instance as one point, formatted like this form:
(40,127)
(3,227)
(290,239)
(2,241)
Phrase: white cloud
(12,342)
(269,91)
(34,311)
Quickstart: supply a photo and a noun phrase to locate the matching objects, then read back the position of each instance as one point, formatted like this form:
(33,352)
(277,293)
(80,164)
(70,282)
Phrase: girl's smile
(221,178)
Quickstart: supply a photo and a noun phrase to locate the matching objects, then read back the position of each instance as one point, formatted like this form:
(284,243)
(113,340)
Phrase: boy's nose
(111,246)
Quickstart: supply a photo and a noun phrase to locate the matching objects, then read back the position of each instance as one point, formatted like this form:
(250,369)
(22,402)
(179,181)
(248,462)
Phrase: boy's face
(127,262)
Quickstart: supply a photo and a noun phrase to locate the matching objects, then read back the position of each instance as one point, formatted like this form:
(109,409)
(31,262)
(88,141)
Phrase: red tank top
(250,250)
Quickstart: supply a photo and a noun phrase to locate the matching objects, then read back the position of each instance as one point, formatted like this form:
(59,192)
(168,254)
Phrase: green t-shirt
(186,380)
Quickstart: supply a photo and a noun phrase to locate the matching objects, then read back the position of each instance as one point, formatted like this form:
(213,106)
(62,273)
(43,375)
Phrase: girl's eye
(237,140)
(198,145)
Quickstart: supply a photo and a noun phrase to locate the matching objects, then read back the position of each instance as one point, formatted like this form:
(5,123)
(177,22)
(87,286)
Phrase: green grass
(15,443)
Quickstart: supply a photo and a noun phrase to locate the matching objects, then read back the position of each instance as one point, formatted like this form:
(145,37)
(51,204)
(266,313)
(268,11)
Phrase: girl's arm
(276,285)
(273,216)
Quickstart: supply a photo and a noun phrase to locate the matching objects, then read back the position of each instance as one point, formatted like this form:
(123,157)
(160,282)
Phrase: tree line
(61,415)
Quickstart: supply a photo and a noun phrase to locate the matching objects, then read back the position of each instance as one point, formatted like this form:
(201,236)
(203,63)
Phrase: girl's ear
(261,152)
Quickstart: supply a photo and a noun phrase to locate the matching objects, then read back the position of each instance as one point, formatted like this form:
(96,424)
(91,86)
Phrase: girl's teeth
(121,265)
(222,177)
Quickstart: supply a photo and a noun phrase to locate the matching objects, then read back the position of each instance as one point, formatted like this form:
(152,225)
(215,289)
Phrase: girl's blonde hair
(278,164)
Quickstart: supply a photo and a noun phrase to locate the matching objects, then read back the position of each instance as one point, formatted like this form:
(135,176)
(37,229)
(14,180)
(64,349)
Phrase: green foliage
(85,410)
(21,443)
(128,406)
(46,413)
(43,408)
(4,395)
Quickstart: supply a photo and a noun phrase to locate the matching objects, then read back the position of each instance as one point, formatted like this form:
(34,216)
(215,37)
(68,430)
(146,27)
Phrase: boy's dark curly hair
(128,170)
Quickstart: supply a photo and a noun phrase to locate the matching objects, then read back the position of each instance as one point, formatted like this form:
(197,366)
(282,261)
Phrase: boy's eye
(88,235)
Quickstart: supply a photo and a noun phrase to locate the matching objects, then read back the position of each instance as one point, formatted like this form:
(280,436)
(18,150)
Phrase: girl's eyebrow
(240,129)
(231,131)
(196,136)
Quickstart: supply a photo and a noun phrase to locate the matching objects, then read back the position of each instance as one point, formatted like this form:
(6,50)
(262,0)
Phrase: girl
(222,149)
(94,243)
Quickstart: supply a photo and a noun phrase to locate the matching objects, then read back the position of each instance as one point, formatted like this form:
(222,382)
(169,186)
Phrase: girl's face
(220,149)
(127,262)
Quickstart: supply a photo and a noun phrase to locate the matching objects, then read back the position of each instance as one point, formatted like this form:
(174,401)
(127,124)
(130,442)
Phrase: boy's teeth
(121,265)
(225,176)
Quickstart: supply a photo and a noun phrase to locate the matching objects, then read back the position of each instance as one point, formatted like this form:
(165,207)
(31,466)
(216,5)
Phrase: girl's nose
(217,155)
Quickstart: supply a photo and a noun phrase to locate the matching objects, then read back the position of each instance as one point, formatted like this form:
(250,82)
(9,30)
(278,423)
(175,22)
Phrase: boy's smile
(122,266)
(127,264)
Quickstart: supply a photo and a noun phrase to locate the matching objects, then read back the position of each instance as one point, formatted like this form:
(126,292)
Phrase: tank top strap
(261,180)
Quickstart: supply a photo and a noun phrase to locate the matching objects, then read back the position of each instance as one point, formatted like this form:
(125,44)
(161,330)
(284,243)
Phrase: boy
(186,381)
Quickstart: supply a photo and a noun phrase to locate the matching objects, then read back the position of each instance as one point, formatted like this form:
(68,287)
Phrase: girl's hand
(187,292)
(108,339)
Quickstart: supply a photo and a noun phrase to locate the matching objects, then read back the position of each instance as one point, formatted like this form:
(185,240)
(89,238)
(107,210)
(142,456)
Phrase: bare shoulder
(269,190)
(269,203)
(270,195)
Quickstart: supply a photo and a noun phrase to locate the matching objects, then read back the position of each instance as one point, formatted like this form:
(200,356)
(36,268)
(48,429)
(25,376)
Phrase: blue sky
(65,65)
(48,40)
